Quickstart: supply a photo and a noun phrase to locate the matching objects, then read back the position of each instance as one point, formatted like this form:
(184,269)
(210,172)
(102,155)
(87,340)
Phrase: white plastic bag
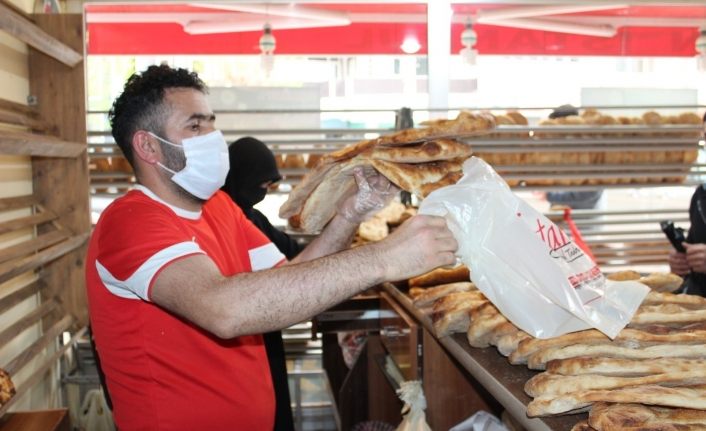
(414,418)
(95,414)
(480,421)
(526,266)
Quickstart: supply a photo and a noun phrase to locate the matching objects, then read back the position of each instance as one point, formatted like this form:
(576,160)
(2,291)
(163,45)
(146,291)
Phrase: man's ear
(145,147)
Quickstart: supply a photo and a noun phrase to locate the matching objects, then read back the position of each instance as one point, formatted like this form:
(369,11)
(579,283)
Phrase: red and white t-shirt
(163,372)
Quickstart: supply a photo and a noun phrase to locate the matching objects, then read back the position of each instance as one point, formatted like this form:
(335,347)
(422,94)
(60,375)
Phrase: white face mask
(207,164)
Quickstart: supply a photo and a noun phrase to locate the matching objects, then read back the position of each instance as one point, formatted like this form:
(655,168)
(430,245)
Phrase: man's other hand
(696,256)
(374,193)
(678,263)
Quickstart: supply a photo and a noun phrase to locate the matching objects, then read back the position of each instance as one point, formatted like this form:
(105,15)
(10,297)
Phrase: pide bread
(662,282)
(465,124)
(682,397)
(441,276)
(623,367)
(538,360)
(439,149)
(453,299)
(420,178)
(508,343)
(557,384)
(634,417)
(627,338)
(431,294)
(686,301)
(7,388)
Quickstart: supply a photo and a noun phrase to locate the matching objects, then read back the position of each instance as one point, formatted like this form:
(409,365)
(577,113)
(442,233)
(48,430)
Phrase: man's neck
(172,196)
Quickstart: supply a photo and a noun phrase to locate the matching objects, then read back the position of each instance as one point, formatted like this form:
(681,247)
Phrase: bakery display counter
(502,381)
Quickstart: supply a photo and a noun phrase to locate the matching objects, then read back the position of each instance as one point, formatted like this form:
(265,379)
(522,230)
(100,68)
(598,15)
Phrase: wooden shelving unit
(55,218)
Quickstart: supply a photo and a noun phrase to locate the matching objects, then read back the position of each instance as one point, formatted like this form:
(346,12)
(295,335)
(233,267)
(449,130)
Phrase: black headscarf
(251,164)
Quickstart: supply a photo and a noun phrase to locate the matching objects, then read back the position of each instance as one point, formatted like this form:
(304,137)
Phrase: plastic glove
(374,193)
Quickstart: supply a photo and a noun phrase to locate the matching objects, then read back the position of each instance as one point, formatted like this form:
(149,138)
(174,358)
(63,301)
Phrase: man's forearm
(280,297)
(336,236)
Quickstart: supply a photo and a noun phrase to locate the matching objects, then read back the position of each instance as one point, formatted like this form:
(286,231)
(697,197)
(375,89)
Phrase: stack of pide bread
(416,160)
(652,376)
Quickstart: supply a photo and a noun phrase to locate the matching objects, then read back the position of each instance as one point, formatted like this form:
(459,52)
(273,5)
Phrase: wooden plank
(37,420)
(18,296)
(24,30)
(16,9)
(40,344)
(27,321)
(38,375)
(63,183)
(16,202)
(17,267)
(20,119)
(33,245)
(9,105)
(31,144)
(24,222)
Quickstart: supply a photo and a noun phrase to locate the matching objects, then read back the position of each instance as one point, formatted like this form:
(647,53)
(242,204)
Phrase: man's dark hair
(141,104)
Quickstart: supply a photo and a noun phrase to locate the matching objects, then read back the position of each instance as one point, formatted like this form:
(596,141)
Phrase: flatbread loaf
(456,298)
(414,177)
(466,123)
(508,343)
(500,331)
(538,360)
(441,276)
(431,294)
(481,329)
(439,149)
(7,388)
(299,194)
(662,282)
(558,384)
(627,338)
(686,301)
(634,417)
(457,319)
(682,397)
(666,314)
(375,229)
(321,205)
(620,367)
(624,275)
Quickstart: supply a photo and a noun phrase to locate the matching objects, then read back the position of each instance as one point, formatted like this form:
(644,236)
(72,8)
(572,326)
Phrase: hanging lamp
(468,40)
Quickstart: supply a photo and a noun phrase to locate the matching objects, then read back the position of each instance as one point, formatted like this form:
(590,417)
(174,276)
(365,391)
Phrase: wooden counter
(503,381)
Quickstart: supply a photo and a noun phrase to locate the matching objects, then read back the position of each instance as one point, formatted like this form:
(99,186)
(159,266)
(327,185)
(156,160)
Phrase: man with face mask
(181,284)
(253,169)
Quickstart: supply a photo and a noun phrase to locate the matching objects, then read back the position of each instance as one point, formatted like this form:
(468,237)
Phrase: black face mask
(251,165)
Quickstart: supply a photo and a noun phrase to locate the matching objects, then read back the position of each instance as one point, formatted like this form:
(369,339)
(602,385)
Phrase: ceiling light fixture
(267,49)
(410,45)
(700,46)
(468,39)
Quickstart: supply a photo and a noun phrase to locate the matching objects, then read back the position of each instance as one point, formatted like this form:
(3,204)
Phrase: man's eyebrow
(201,117)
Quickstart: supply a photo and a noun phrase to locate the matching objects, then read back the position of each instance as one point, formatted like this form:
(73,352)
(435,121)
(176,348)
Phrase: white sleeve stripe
(265,257)
(137,285)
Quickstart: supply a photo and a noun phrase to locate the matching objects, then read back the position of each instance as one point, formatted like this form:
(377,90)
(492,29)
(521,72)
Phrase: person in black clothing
(252,171)
(692,264)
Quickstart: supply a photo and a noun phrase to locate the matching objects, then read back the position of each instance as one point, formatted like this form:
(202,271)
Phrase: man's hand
(420,244)
(678,263)
(696,256)
(374,193)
